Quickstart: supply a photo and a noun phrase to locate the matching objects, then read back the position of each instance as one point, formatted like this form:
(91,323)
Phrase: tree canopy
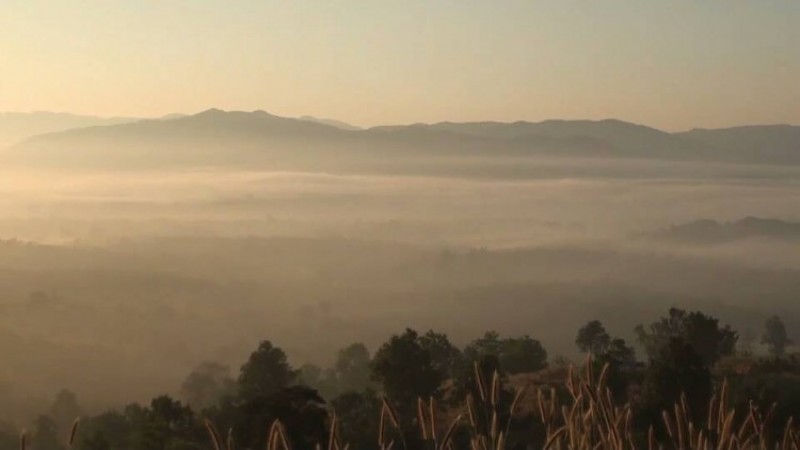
(266,372)
(404,368)
(703,333)
(593,338)
(513,355)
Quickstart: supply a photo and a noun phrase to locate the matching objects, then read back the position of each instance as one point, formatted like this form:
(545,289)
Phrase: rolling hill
(707,231)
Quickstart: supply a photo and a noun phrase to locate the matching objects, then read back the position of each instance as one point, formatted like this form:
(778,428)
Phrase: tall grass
(589,419)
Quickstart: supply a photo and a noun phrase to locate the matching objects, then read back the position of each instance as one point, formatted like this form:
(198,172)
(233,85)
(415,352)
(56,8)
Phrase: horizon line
(309,117)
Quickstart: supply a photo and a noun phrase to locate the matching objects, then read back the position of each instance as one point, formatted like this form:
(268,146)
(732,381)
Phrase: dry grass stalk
(432,412)
(495,398)
(278,439)
(388,411)
(230,442)
(481,385)
(73,432)
(591,421)
(213,434)
(488,433)
(423,427)
(382,429)
(333,435)
(449,435)
(391,412)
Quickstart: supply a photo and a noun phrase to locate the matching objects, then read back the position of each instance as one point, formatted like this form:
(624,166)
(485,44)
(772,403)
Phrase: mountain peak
(211,112)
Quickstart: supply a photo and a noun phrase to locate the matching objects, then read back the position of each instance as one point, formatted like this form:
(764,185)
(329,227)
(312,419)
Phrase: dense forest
(696,379)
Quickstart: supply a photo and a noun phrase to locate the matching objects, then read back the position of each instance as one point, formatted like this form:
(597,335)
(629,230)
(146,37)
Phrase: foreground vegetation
(701,387)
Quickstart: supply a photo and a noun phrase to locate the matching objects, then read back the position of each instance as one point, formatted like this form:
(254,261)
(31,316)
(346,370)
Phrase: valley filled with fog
(120,274)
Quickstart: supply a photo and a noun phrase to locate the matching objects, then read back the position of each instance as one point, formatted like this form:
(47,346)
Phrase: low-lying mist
(117,284)
(49,206)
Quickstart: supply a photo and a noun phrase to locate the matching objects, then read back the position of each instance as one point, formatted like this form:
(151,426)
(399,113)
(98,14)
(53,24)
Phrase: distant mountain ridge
(707,231)
(15,127)
(624,137)
(779,141)
(251,138)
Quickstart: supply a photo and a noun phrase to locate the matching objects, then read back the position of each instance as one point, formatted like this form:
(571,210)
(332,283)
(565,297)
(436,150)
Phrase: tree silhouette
(620,352)
(352,368)
(622,366)
(488,344)
(64,411)
(775,336)
(522,355)
(677,369)
(405,370)
(593,338)
(513,355)
(265,372)
(164,424)
(299,408)
(445,356)
(696,329)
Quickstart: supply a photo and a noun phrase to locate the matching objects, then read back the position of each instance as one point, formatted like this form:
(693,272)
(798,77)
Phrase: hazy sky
(672,64)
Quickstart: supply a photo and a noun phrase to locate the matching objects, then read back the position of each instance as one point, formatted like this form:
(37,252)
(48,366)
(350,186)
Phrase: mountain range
(215,137)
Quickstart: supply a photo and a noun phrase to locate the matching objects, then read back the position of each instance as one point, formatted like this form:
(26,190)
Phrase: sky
(674,64)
